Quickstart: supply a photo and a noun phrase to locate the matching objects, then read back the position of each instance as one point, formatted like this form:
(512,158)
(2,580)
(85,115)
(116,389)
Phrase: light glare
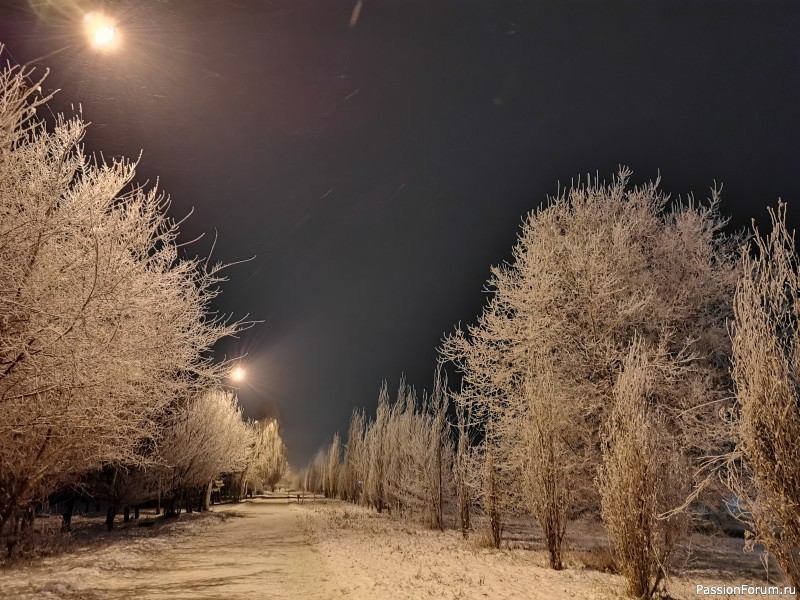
(238,374)
(100,30)
(104,35)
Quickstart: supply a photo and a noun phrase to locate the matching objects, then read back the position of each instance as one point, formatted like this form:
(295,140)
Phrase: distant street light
(100,30)
(238,374)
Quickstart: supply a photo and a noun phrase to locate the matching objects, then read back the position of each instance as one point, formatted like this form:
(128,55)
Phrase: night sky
(377,171)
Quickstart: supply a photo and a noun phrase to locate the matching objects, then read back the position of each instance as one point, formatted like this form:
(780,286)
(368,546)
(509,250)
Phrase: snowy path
(260,553)
(268,549)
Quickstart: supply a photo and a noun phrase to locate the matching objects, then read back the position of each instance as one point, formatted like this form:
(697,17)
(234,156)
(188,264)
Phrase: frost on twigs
(205,437)
(644,472)
(594,267)
(401,461)
(764,469)
(102,323)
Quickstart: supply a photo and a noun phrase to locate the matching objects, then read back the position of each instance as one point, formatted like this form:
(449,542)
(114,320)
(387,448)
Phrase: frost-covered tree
(266,463)
(594,267)
(332,467)
(102,323)
(551,434)
(402,460)
(419,454)
(205,439)
(436,475)
(122,488)
(314,475)
(352,471)
(493,490)
(765,465)
(643,476)
(463,465)
(400,440)
(377,454)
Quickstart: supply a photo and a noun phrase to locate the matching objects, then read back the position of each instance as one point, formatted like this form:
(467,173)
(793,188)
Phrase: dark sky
(377,171)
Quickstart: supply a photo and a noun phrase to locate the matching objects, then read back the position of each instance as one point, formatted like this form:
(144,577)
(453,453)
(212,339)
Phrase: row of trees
(400,461)
(598,380)
(106,332)
(204,446)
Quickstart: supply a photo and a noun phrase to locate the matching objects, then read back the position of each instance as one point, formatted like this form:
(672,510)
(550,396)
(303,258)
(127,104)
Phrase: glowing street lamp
(100,30)
(103,36)
(237,374)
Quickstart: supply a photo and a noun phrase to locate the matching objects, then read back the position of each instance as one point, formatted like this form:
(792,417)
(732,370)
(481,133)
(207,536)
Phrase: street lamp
(101,31)
(238,374)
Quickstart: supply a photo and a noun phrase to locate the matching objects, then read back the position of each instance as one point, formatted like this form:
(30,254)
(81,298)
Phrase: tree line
(108,386)
(634,361)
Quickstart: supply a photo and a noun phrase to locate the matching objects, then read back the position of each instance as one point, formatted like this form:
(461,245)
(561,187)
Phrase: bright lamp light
(100,30)
(238,374)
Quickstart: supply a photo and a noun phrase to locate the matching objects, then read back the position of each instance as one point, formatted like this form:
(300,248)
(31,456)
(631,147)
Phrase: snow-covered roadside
(371,557)
(253,550)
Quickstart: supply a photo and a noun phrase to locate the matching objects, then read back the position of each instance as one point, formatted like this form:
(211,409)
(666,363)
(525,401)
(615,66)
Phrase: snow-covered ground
(371,556)
(252,550)
(326,550)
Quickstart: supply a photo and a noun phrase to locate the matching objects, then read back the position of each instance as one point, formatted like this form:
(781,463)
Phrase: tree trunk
(207,495)
(495,523)
(136,512)
(27,516)
(9,506)
(464,502)
(169,509)
(66,524)
(22,484)
(439,484)
(5,513)
(110,514)
(126,515)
